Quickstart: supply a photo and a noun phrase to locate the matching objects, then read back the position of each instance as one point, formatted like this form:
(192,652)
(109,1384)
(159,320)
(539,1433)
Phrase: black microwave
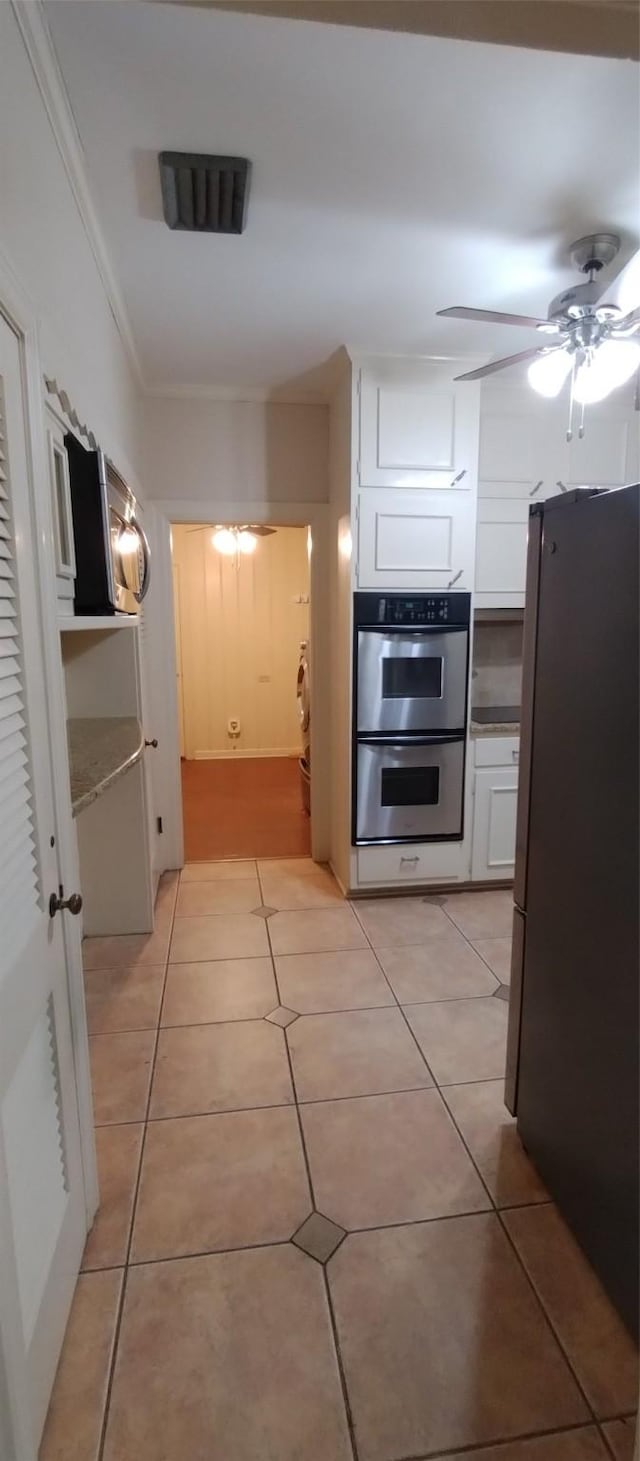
(111,550)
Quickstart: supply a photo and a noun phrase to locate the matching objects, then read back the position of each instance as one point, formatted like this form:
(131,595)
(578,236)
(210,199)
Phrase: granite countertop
(495,728)
(101,750)
(495,720)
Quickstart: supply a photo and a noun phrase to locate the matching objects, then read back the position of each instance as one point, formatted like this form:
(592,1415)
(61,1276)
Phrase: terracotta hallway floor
(246,808)
(320,1238)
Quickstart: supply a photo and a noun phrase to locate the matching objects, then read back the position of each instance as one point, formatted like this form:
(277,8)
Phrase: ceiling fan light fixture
(549,372)
(247,542)
(224,540)
(606,368)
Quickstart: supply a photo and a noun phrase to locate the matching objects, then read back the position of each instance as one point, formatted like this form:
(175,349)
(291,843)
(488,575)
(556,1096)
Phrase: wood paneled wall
(240,625)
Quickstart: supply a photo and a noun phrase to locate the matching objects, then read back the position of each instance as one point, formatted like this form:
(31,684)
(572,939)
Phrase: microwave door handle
(146,556)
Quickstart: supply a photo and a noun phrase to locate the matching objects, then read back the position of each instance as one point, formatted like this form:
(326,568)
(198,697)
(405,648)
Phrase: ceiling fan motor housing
(581,298)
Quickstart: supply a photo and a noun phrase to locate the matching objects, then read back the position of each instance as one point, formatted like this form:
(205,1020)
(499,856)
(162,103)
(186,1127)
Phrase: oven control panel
(412,610)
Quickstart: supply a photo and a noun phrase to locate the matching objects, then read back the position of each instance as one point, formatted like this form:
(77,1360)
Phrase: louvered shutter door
(18,869)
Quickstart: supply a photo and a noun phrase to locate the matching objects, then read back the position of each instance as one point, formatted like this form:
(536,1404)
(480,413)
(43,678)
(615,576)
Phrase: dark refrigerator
(572,1059)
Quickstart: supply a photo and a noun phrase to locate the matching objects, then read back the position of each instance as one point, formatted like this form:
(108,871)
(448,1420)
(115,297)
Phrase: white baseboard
(245,755)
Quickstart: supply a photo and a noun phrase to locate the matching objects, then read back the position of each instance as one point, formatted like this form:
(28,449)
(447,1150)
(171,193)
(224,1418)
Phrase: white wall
(242,451)
(44,240)
(241,623)
(340,471)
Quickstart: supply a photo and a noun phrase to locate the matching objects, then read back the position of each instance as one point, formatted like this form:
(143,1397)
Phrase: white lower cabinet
(415,539)
(493,847)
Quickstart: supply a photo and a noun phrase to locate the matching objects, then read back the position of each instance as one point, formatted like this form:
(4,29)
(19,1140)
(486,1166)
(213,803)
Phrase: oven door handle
(406,740)
(410,631)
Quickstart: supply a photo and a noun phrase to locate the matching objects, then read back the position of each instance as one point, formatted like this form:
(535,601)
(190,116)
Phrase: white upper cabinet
(607,454)
(417,428)
(524,456)
(523,447)
(414,540)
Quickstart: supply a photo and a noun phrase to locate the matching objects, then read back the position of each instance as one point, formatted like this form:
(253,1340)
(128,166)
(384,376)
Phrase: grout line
(302,1014)
(436,1084)
(500,1444)
(134,1205)
(209,1253)
(334,1330)
(542,1306)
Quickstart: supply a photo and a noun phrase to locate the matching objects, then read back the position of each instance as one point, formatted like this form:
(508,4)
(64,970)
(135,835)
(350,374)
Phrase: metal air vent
(204,194)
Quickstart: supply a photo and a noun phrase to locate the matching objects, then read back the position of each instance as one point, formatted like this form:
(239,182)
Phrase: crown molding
(32,23)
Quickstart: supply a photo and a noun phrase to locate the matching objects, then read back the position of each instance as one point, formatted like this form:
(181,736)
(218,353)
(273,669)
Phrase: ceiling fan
(237,538)
(590,330)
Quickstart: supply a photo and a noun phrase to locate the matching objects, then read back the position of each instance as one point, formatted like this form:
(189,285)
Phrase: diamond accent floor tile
(502,992)
(282,1016)
(318,1237)
(264,911)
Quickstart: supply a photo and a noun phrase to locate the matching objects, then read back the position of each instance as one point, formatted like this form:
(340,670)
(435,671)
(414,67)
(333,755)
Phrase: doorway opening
(242,605)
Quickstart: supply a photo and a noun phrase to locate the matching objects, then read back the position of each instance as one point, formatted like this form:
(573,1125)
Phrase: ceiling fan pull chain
(581,426)
(572,382)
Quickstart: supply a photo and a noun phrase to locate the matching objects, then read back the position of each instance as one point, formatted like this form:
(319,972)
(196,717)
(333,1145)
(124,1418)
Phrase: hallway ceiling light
(231,541)
(224,539)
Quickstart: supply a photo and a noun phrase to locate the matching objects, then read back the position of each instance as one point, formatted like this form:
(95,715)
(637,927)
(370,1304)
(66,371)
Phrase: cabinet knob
(455,578)
(153,743)
(409,859)
(562,485)
(459,477)
(58,902)
(536,488)
(515,755)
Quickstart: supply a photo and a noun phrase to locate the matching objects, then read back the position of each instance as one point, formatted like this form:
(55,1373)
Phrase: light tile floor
(320,1238)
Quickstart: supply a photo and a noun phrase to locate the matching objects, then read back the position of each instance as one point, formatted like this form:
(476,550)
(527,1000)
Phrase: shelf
(77,622)
(100,751)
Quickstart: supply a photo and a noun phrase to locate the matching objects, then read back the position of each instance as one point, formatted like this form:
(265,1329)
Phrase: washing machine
(303,697)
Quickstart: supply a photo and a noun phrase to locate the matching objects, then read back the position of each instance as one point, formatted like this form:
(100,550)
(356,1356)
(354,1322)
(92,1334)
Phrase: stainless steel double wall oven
(411,672)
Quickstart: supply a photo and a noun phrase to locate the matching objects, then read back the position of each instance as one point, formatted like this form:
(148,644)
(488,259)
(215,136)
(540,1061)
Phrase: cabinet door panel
(507,451)
(417,428)
(501,551)
(494,824)
(408,540)
(599,458)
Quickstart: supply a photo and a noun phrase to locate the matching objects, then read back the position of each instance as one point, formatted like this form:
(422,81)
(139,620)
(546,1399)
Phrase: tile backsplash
(497,664)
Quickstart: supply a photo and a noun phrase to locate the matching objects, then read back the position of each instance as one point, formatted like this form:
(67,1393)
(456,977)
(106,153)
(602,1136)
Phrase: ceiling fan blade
(260,530)
(623,293)
(627,324)
(494,365)
(495,316)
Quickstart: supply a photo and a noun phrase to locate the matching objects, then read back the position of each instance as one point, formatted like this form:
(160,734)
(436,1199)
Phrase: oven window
(408,677)
(410,786)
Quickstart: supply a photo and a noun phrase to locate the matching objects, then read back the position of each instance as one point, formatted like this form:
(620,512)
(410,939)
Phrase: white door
(415,540)
(417,427)
(42,1207)
(493,850)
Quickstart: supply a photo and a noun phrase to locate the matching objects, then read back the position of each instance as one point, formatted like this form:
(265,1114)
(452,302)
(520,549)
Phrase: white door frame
(20,311)
(163,652)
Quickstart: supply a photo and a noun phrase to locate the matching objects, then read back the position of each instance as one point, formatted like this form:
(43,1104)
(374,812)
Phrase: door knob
(57,903)
(153,743)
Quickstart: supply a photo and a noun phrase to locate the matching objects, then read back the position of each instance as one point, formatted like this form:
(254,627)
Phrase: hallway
(320,1239)
(251,807)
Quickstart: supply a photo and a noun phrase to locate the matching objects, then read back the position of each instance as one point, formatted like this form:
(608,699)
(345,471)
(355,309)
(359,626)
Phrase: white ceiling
(392,175)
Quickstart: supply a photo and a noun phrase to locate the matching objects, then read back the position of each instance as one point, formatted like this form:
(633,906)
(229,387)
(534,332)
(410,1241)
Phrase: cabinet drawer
(413,863)
(497,750)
